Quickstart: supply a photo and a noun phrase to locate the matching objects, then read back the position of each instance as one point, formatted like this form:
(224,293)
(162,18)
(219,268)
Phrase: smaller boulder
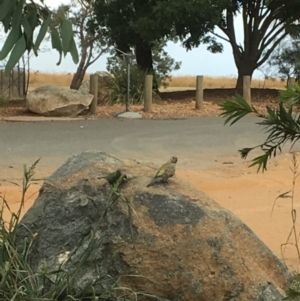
(85,87)
(57,101)
(104,83)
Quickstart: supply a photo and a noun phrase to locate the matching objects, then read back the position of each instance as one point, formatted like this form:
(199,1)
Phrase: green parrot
(113,177)
(165,172)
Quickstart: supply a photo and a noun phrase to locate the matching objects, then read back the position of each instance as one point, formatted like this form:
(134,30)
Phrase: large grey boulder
(57,101)
(178,243)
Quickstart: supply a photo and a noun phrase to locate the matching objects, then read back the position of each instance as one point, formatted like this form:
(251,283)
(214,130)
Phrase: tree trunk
(245,68)
(80,72)
(78,77)
(143,52)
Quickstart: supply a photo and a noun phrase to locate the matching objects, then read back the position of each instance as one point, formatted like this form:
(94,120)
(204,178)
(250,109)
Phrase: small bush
(118,84)
(163,66)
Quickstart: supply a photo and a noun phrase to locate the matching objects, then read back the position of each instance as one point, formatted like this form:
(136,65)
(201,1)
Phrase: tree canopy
(21,19)
(142,23)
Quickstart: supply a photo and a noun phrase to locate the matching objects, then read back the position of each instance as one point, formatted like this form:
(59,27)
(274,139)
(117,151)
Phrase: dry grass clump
(224,82)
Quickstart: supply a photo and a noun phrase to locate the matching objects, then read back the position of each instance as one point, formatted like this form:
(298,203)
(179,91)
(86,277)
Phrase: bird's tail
(152,182)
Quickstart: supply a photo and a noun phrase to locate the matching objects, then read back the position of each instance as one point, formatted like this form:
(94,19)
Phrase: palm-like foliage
(282,125)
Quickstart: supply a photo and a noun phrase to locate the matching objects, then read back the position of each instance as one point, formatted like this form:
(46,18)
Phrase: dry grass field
(64,79)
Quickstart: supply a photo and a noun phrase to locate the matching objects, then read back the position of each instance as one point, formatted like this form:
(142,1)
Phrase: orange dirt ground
(233,185)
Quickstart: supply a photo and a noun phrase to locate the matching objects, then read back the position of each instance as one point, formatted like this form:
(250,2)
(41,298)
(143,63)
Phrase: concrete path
(198,142)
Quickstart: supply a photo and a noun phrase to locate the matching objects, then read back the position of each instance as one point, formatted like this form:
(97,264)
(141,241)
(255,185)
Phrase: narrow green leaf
(16,55)
(17,14)
(245,152)
(10,41)
(6,22)
(41,34)
(32,17)
(234,110)
(56,43)
(261,161)
(6,8)
(66,35)
(28,31)
(272,113)
(74,51)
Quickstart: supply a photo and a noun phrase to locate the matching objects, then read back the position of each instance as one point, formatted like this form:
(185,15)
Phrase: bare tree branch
(219,36)
(270,35)
(268,53)
(246,30)
(230,33)
(266,22)
(98,56)
(265,43)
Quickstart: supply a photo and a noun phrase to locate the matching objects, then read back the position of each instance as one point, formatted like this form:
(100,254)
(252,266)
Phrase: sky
(198,61)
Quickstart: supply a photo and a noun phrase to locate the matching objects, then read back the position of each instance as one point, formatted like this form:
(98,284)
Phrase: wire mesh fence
(13,86)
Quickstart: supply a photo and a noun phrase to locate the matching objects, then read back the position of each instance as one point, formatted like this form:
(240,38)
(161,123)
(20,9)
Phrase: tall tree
(90,37)
(20,19)
(141,24)
(265,24)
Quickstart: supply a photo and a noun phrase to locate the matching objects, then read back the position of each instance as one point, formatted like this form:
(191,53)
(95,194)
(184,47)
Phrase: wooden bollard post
(148,93)
(94,78)
(247,88)
(199,92)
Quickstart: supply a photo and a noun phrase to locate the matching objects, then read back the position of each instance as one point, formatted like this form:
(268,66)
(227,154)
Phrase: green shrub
(163,66)
(118,84)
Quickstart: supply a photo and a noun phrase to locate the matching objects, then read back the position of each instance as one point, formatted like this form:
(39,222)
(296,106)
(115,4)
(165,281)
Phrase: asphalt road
(199,143)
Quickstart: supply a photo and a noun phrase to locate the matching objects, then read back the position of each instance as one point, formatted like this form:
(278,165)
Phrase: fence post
(199,92)
(247,88)
(94,91)
(148,93)
(290,82)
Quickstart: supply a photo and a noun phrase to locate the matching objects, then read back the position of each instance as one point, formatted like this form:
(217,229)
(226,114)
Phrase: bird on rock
(113,177)
(165,172)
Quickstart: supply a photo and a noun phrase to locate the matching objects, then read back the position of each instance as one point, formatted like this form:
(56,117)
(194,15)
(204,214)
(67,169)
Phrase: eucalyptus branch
(220,37)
